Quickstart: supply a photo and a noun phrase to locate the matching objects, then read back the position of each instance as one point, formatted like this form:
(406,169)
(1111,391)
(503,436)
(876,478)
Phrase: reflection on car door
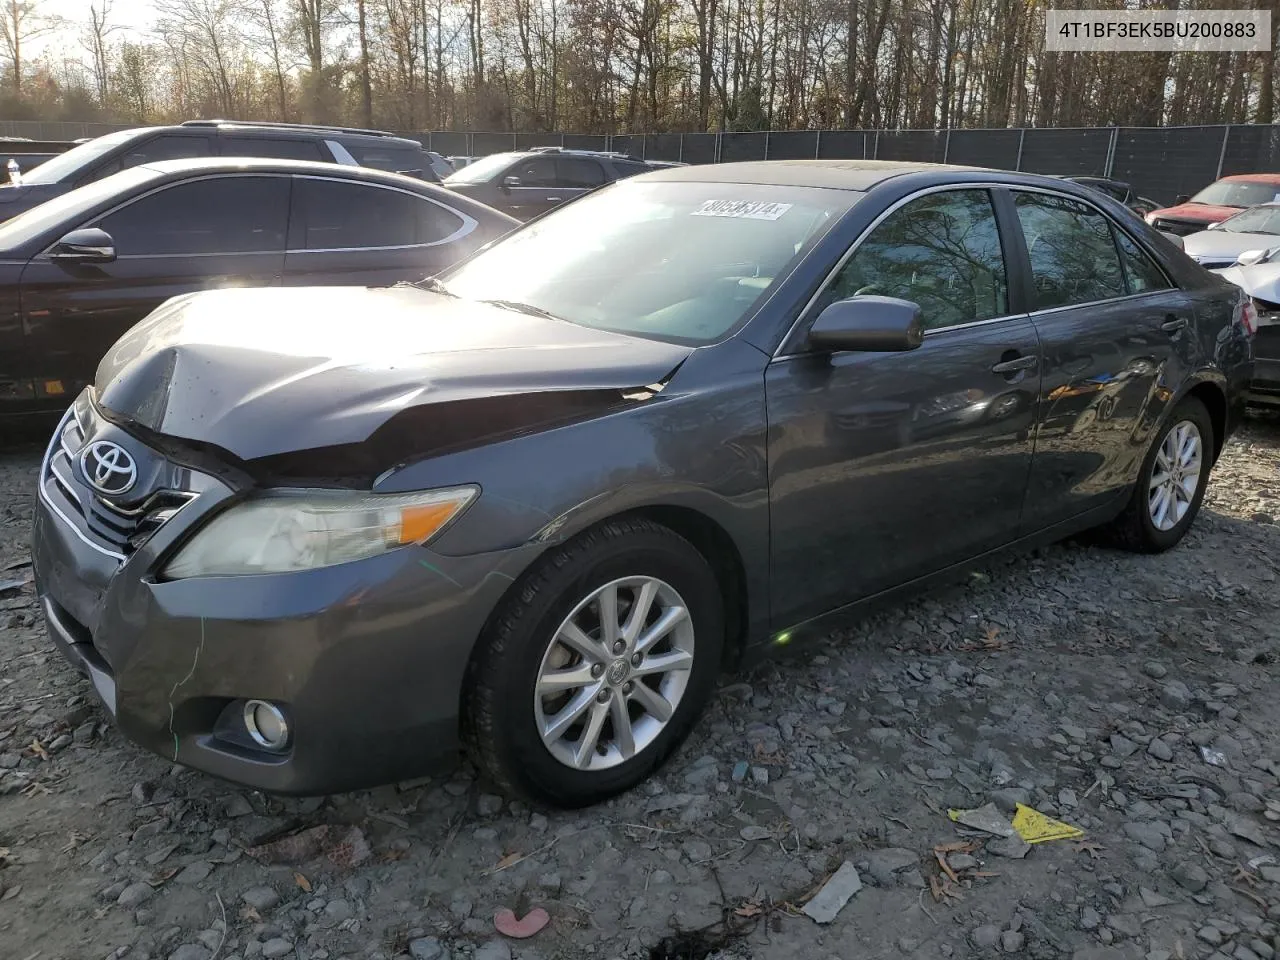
(201,234)
(888,466)
(347,232)
(1115,333)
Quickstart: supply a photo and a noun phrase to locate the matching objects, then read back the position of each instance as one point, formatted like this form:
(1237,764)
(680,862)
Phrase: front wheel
(597,667)
(1171,485)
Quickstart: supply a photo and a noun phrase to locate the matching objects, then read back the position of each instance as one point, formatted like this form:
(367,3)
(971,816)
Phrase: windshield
(482,169)
(68,207)
(67,165)
(1237,193)
(1257,220)
(684,262)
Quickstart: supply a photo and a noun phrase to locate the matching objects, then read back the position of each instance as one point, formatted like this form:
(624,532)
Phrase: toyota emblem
(108,467)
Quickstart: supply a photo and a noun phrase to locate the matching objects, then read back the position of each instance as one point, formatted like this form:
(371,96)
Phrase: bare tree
(20,22)
(95,40)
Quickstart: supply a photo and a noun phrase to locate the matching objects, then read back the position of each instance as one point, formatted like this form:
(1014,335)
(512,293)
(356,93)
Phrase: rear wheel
(598,666)
(1171,485)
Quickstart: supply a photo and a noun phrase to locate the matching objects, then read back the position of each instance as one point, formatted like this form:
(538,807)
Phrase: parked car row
(97,237)
(312,539)
(79,270)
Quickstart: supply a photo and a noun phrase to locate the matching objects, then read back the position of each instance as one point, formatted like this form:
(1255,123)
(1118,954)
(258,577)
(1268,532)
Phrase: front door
(884,467)
(1116,334)
(203,234)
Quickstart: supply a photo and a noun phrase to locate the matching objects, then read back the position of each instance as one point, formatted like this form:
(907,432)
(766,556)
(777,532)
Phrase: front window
(684,262)
(69,165)
(1237,193)
(69,207)
(1259,220)
(941,252)
(478,171)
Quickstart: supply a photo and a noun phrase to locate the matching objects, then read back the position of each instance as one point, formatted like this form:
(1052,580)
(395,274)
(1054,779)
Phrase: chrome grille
(112,529)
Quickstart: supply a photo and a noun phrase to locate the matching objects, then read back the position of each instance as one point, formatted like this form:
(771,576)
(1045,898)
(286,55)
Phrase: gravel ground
(1134,697)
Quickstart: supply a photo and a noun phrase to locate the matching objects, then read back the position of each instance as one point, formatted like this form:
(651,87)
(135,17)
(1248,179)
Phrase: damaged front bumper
(366,659)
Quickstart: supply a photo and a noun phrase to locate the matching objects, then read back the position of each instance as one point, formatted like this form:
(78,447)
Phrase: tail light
(1248,317)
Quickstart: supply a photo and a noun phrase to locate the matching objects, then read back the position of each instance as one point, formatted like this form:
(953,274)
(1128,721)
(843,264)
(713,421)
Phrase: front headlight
(305,529)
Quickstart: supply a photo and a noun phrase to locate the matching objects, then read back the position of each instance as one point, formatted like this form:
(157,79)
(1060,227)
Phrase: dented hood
(271,371)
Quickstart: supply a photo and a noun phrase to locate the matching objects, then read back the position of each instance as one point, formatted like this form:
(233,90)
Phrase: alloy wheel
(614,673)
(1175,475)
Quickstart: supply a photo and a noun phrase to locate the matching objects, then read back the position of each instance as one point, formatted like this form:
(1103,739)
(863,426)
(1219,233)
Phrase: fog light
(266,724)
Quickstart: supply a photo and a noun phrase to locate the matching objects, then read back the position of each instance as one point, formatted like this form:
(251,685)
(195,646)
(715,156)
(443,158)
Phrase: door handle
(1173,324)
(1026,362)
(553,199)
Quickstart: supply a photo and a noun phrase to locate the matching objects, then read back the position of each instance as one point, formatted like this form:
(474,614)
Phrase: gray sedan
(1255,231)
(309,540)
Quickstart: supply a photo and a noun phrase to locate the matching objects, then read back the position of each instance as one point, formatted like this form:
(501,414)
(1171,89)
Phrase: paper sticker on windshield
(742,209)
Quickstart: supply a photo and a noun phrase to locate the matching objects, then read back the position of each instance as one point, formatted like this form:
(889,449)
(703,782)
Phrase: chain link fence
(1158,162)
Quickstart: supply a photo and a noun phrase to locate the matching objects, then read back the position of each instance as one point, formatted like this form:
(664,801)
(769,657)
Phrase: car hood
(1196,212)
(1221,244)
(263,372)
(1261,280)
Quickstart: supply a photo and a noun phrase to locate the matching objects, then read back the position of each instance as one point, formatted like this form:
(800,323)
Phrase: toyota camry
(314,539)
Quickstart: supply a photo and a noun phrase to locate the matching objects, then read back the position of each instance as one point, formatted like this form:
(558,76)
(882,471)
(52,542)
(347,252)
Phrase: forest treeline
(606,66)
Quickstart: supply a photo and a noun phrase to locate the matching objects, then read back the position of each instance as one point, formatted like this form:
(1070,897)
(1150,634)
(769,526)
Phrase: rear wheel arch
(1214,399)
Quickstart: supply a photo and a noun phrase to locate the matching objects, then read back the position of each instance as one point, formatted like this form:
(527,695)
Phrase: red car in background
(1221,199)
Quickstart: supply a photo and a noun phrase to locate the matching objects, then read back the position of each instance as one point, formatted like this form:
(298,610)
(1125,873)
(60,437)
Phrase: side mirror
(1251,257)
(509,182)
(88,245)
(868,323)
(1181,199)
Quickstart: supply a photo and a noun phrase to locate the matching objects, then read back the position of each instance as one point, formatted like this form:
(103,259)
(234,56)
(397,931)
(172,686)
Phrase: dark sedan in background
(78,271)
(308,539)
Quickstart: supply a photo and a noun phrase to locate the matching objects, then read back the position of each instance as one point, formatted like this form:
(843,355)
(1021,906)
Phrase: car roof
(196,165)
(302,131)
(837,174)
(1254,178)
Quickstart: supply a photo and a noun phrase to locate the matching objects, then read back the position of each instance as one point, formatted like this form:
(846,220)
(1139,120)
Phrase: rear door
(217,231)
(348,232)
(1118,339)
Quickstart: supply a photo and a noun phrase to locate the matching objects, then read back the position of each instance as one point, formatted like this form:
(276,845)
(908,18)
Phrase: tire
(1136,528)
(503,721)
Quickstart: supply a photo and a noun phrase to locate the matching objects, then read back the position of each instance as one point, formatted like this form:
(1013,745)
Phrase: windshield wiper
(435,285)
(519,307)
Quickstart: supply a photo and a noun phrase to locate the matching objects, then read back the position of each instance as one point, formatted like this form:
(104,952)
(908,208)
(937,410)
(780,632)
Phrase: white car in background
(1253,231)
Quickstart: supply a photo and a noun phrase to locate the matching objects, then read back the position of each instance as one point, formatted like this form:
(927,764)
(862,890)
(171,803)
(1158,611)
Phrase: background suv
(114,152)
(531,182)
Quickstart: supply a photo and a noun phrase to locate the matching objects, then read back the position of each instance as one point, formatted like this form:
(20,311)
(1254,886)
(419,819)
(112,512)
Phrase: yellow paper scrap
(1034,827)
